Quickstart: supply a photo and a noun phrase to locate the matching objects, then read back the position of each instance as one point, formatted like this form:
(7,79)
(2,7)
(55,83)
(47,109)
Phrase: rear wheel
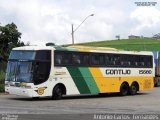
(57,93)
(124,89)
(133,89)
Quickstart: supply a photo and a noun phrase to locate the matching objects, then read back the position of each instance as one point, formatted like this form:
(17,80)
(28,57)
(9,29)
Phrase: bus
(157,68)
(35,72)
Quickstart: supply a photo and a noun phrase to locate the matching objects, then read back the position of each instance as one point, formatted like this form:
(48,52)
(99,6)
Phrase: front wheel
(35,98)
(57,93)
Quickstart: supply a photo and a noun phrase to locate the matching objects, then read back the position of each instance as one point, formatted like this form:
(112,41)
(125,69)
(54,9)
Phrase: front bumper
(19,91)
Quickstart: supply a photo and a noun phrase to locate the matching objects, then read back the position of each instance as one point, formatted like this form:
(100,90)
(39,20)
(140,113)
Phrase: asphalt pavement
(79,107)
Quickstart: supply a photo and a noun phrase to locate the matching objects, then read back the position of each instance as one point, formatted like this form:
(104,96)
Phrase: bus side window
(109,60)
(113,60)
(136,61)
(94,60)
(76,59)
(116,60)
(97,59)
(126,60)
(148,61)
(62,59)
(67,59)
(58,59)
(85,60)
(142,59)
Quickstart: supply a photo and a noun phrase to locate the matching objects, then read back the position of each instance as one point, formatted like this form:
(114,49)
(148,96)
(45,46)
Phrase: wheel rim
(133,89)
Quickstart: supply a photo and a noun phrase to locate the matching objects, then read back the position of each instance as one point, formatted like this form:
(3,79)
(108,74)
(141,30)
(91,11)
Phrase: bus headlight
(25,85)
(6,84)
(28,87)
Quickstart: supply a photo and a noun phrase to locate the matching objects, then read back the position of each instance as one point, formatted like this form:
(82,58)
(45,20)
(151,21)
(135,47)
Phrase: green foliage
(2,65)
(1,88)
(2,70)
(141,44)
(9,38)
(2,75)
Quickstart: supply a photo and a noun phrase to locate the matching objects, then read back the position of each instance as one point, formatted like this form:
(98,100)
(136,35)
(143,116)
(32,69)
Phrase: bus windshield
(19,67)
(28,66)
(22,55)
(19,71)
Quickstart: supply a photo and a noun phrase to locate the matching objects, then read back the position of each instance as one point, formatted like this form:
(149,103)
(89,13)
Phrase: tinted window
(42,66)
(85,59)
(62,58)
(68,58)
(41,72)
(43,55)
(126,61)
(148,61)
(22,54)
(76,59)
(112,59)
(97,59)
(58,59)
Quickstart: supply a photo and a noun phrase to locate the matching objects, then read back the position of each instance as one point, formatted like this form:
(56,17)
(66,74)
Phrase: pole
(72,35)
(78,27)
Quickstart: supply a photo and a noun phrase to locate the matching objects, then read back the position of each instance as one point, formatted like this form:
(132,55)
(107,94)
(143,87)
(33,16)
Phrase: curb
(4,93)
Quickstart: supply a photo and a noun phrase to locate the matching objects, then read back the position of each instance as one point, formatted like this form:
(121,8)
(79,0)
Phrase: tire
(156,82)
(155,85)
(124,89)
(103,94)
(57,93)
(133,89)
(35,98)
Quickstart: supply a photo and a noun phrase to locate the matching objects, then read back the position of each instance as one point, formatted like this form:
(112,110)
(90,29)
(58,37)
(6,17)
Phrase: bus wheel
(57,93)
(35,98)
(124,89)
(133,89)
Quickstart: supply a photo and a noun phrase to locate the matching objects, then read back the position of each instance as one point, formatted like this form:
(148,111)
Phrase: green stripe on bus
(60,48)
(78,80)
(65,49)
(89,80)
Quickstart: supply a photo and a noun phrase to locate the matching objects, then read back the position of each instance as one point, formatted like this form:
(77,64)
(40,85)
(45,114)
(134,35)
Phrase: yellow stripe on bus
(103,83)
(112,84)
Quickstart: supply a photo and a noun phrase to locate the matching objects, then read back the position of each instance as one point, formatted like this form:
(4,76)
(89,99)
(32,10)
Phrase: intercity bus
(157,68)
(34,71)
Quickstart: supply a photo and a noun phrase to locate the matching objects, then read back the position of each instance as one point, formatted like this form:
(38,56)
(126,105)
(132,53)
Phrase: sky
(43,21)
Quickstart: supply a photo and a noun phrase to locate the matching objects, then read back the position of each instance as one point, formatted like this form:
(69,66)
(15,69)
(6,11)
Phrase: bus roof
(34,48)
(88,48)
(107,50)
(83,49)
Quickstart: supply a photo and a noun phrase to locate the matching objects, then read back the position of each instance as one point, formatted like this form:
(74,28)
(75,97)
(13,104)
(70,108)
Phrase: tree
(157,36)
(9,38)
(118,37)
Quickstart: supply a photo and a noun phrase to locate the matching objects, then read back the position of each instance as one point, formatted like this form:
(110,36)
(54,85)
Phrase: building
(133,37)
